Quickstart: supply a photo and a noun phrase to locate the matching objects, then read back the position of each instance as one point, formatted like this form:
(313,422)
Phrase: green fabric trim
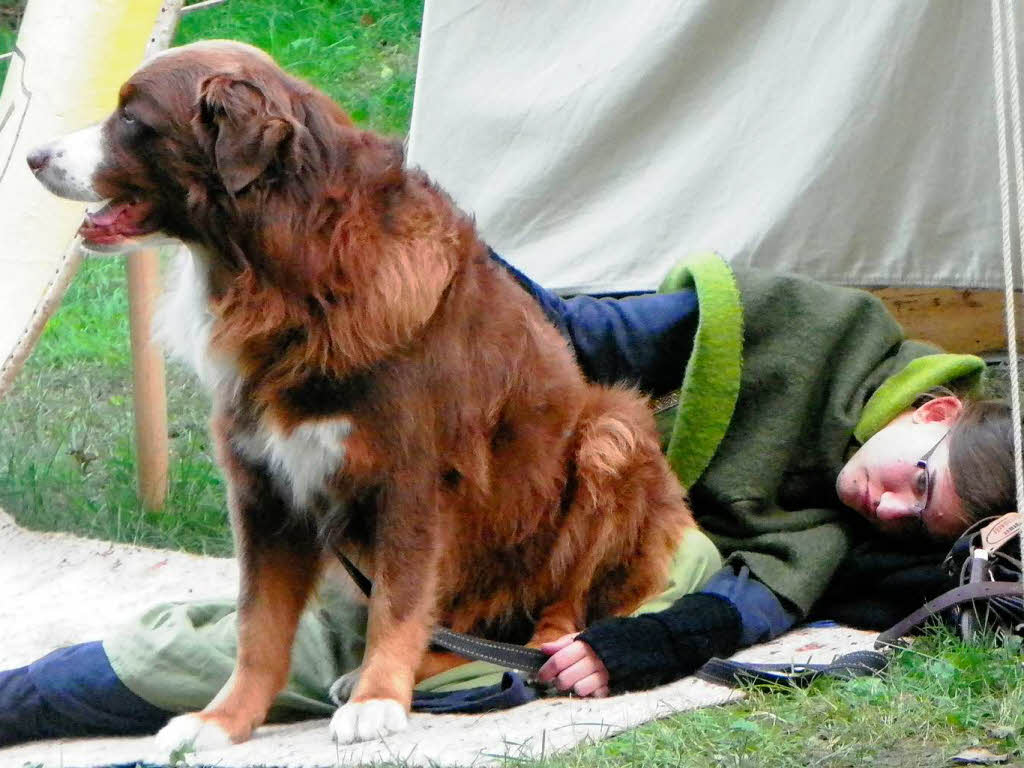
(711,382)
(472,675)
(899,391)
(696,560)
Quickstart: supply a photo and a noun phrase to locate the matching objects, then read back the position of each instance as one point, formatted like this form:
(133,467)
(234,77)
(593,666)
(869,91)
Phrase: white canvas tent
(597,142)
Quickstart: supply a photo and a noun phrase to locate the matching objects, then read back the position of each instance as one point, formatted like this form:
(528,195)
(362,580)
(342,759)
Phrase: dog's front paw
(368,719)
(341,689)
(190,732)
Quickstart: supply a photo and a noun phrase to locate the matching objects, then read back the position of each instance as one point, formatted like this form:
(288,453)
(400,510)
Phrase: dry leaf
(979,756)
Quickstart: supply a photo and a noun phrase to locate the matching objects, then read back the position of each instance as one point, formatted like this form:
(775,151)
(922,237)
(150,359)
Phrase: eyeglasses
(926,492)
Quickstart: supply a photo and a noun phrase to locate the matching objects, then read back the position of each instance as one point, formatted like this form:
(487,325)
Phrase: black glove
(655,648)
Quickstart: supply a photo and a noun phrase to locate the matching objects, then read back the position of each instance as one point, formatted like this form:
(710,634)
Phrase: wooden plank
(958,320)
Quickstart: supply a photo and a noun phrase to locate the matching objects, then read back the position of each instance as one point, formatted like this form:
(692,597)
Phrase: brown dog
(380,384)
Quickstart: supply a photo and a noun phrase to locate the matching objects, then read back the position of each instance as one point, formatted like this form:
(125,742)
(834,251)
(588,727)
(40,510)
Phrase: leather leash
(964,594)
(530,660)
(516,657)
(857,663)
(738,673)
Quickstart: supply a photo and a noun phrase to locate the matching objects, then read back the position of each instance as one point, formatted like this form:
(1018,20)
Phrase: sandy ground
(57,589)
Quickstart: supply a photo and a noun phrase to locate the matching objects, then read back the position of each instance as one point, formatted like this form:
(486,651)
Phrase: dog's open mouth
(117,221)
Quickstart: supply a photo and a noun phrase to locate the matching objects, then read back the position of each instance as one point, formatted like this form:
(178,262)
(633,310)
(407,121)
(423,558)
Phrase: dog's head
(199,132)
(214,144)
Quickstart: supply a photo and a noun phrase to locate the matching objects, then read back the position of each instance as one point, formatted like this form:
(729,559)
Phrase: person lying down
(829,463)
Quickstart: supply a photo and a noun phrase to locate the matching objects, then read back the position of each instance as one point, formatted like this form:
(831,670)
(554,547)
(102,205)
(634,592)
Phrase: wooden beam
(150,395)
(958,320)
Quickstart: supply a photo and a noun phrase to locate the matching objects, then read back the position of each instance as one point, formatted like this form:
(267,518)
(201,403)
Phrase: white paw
(369,719)
(188,732)
(341,689)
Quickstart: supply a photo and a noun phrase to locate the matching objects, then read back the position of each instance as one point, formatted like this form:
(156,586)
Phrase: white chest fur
(302,459)
(184,324)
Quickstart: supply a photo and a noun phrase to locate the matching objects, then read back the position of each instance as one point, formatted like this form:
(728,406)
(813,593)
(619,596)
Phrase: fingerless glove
(656,648)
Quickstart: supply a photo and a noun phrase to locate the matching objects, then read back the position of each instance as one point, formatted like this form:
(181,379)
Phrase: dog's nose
(38,159)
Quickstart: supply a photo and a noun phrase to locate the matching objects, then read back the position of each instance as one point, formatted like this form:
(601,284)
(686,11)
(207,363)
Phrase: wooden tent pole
(150,388)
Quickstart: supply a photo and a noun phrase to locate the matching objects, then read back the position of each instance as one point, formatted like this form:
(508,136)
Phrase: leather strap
(517,657)
(530,660)
(964,594)
(738,673)
(510,655)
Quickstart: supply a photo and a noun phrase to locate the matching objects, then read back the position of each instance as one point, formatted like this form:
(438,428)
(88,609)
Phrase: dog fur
(380,384)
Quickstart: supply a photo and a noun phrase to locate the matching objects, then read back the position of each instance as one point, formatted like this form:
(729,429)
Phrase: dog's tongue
(108,214)
(116,221)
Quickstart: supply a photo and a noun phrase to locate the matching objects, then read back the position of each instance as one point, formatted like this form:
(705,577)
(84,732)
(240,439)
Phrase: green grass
(361,53)
(936,700)
(67,461)
(10,15)
(67,437)
(933,702)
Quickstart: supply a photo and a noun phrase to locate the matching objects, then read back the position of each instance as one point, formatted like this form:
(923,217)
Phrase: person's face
(883,482)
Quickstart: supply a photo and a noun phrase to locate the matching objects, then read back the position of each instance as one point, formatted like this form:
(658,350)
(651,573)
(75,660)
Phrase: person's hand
(574,666)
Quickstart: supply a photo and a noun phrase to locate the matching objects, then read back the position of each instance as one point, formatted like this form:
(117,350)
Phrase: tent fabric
(596,142)
(69,61)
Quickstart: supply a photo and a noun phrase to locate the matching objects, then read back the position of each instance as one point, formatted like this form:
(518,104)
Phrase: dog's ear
(246,131)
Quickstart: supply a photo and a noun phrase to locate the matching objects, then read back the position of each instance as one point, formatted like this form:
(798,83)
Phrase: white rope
(998,57)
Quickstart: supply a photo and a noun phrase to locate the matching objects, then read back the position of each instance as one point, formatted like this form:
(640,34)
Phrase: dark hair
(981,461)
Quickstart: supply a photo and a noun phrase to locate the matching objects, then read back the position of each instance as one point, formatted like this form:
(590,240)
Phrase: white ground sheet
(57,589)
(599,141)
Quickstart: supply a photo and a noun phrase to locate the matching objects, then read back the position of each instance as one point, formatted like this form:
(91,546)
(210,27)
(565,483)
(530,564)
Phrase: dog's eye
(132,127)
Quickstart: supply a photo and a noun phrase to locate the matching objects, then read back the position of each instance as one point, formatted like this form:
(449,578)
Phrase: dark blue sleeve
(644,339)
(68,693)
(762,614)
